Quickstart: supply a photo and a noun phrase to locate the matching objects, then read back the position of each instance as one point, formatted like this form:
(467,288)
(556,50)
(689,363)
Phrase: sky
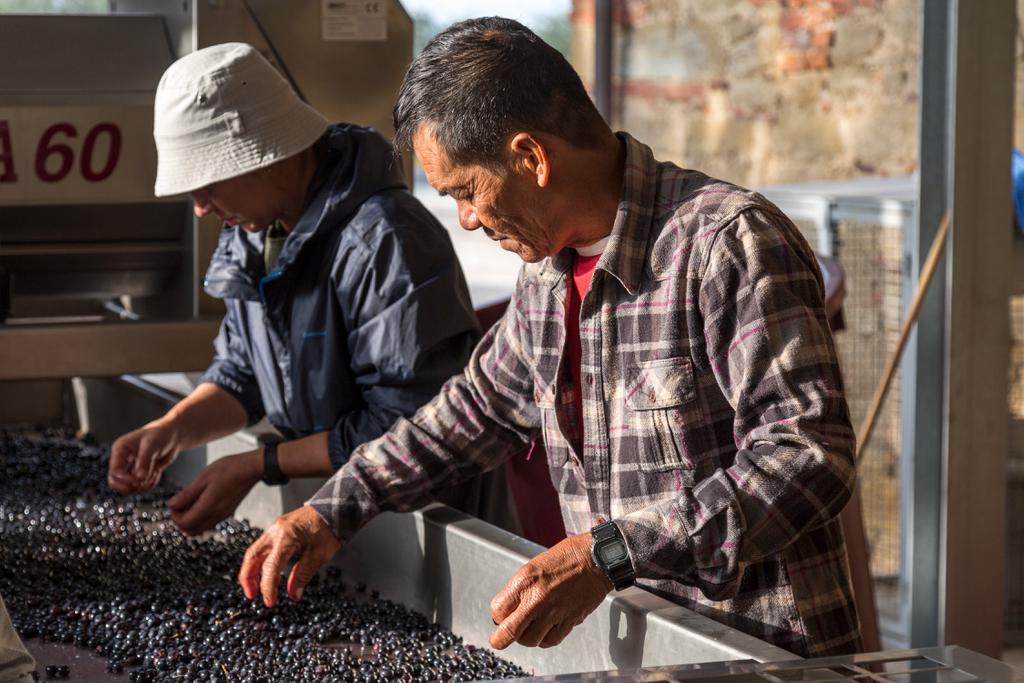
(448,11)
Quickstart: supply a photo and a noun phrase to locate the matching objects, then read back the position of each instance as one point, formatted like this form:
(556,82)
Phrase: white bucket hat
(224,111)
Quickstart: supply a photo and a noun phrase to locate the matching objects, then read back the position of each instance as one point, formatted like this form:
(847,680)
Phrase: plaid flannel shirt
(716,431)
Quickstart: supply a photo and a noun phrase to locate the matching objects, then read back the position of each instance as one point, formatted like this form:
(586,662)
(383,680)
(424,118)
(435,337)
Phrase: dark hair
(481,80)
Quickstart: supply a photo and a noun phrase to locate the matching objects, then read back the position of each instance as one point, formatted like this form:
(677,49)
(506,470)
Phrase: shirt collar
(625,253)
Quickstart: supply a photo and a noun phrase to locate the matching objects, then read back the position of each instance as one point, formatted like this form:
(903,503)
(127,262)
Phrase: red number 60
(49,148)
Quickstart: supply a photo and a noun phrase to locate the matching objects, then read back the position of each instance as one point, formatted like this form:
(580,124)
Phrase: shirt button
(654,396)
(590,380)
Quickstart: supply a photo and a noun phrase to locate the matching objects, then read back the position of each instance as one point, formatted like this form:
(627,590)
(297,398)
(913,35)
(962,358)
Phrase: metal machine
(97,277)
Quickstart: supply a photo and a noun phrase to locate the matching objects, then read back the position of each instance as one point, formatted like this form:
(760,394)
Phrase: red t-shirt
(536,499)
(582,273)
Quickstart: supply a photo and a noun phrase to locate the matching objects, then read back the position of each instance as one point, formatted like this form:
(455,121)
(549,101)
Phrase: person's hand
(216,492)
(549,596)
(138,458)
(301,532)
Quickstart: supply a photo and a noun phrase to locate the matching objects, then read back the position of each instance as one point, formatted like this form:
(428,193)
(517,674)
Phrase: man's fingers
(119,469)
(185,498)
(510,611)
(252,565)
(302,573)
(509,629)
(535,632)
(187,508)
(121,454)
(195,519)
(142,469)
(121,483)
(156,472)
(121,480)
(507,600)
(296,533)
(556,635)
(271,575)
(149,483)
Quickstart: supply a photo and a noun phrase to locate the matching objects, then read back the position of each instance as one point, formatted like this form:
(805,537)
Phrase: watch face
(612,553)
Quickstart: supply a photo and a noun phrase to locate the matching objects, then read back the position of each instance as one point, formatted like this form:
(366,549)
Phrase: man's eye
(458,195)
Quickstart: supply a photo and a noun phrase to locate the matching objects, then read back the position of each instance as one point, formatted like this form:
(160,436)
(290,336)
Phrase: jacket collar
(357,163)
(625,255)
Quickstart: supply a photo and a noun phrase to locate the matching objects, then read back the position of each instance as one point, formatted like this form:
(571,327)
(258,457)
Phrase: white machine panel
(76,154)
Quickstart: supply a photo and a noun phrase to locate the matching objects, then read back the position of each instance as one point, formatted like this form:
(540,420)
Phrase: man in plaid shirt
(667,338)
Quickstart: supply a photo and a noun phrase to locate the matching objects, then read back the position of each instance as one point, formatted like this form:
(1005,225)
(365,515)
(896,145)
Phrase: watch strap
(272,474)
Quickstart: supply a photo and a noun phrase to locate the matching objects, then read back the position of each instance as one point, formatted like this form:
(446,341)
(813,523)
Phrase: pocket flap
(662,383)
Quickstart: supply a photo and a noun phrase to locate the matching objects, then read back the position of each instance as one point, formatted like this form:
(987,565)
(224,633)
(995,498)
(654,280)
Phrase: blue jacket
(363,318)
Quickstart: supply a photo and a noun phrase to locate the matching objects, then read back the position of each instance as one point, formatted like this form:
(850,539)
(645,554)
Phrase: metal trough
(449,565)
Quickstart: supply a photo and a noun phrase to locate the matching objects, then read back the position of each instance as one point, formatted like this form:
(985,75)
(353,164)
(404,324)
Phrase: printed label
(359,20)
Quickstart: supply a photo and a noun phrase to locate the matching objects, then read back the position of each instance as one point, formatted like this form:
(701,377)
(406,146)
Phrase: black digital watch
(609,552)
(272,474)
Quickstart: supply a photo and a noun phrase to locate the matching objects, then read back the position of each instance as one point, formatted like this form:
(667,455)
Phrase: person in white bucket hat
(346,306)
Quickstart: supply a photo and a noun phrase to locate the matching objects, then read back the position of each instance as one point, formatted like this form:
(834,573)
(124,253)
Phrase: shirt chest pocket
(667,425)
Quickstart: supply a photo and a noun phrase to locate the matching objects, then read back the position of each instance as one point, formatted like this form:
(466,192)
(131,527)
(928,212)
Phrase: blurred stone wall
(765,91)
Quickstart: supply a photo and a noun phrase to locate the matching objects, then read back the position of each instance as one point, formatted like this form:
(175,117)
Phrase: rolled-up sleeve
(231,369)
(772,354)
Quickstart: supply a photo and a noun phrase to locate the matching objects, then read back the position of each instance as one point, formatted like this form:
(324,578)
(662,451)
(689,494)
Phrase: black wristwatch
(609,552)
(272,474)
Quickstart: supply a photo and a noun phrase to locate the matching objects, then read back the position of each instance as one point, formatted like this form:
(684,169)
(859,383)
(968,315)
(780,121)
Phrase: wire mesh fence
(872,256)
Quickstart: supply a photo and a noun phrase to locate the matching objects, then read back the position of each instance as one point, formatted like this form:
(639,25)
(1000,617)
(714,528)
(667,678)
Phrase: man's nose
(467,216)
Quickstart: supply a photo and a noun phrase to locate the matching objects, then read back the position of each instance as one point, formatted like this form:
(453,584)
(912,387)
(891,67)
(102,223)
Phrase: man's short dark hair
(481,80)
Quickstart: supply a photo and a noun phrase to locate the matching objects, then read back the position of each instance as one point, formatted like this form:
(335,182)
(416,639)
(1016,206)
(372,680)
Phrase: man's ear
(530,156)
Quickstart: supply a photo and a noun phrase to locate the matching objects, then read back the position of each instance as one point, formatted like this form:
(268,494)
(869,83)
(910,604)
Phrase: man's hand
(301,532)
(138,458)
(216,492)
(549,596)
